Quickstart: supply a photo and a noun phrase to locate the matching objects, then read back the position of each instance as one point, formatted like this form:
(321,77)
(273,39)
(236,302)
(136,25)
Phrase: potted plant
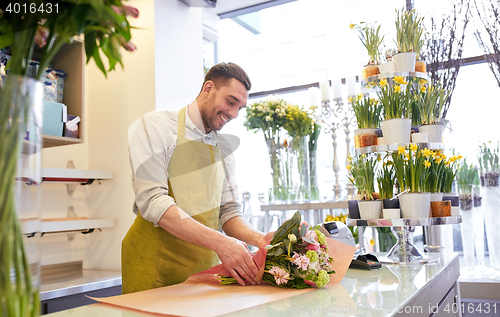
(367,112)
(362,169)
(430,101)
(385,181)
(449,173)
(372,40)
(434,181)
(395,100)
(269,116)
(412,172)
(408,29)
(106,30)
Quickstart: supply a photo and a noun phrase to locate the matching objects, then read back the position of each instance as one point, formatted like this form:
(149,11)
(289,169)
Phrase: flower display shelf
(394,147)
(404,252)
(64,225)
(366,83)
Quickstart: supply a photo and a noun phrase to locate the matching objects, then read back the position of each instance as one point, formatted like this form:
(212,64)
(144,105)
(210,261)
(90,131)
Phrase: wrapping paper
(202,295)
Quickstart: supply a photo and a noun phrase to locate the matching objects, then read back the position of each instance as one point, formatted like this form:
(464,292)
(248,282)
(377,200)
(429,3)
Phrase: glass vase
(386,240)
(314,176)
(300,181)
(278,193)
(490,203)
(467,225)
(478,228)
(20,158)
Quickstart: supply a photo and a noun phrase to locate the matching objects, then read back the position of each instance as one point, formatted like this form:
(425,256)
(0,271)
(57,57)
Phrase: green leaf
(278,252)
(98,61)
(303,230)
(296,232)
(90,45)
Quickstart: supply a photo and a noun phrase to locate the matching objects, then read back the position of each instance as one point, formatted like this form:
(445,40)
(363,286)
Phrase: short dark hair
(222,72)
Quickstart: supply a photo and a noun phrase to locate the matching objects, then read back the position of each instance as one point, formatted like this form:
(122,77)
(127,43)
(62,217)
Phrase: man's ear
(208,86)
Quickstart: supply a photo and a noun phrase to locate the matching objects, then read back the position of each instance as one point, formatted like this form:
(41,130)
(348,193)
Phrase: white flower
(259,108)
(271,111)
(268,118)
(292,238)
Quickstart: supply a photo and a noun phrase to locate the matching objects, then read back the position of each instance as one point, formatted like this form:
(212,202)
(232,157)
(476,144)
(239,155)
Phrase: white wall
(178,53)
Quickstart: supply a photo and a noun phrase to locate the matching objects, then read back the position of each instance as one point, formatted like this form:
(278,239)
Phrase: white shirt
(152,140)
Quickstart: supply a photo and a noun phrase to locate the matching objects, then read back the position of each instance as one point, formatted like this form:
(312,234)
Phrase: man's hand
(236,258)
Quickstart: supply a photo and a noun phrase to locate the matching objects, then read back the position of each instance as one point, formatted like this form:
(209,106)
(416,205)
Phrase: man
(183,190)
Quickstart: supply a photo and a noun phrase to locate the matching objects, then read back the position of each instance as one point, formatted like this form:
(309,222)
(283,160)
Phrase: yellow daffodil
(372,84)
(397,88)
(439,159)
(399,80)
(383,83)
(453,159)
(427,164)
(407,156)
(413,147)
(422,82)
(426,153)
(350,99)
(401,149)
(443,156)
(351,26)
(460,157)
(349,167)
(423,89)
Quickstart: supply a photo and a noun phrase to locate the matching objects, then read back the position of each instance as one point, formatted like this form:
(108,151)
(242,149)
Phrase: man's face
(224,102)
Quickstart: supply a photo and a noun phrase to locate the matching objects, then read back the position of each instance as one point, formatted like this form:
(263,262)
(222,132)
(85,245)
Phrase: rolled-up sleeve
(230,207)
(149,148)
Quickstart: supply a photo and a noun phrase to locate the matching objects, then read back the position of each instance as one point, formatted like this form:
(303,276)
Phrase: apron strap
(181,126)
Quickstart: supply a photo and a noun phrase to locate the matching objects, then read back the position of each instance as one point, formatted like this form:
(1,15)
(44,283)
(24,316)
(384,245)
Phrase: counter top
(89,280)
(392,290)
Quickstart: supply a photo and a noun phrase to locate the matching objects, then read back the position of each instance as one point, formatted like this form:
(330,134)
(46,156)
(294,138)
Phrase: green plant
(371,39)
(409,29)
(449,172)
(430,102)
(268,116)
(106,30)
(488,158)
(395,99)
(466,175)
(367,111)
(385,180)
(411,168)
(362,169)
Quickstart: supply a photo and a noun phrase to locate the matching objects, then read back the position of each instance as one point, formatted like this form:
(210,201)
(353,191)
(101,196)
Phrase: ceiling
(224,6)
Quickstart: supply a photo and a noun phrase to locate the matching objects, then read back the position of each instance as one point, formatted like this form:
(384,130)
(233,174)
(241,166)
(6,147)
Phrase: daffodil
(383,83)
(439,159)
(401,149)
(460,157)
(427,164)
(423,89)
(351,26)
(426,153)
(399,80)
(397,88)
(413,147)
(422,82)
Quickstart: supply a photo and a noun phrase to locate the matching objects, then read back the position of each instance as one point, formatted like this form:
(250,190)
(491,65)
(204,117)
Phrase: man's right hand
(237,259)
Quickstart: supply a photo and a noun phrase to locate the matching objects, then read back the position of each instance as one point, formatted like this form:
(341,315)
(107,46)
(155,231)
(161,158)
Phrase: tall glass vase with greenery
(269,116)
(40,32)
(313,146)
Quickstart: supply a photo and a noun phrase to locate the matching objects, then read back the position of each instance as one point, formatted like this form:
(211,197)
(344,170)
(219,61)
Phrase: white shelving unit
(66,175)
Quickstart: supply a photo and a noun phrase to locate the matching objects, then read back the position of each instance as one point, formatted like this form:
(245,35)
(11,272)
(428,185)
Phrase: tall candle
(324,86)
(351,86)
(313,94)
(337,89)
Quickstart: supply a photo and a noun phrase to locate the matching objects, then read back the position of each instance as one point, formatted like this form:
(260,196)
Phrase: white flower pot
(370,209)
(420,137)
(415,205)
(435,131)
(380,141)
(455,211)
(387,67)
(365,131)
(405,62)
(436,196)
(391,213)
(396,130)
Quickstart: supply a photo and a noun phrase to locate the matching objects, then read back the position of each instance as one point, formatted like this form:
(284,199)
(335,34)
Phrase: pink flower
(129,46)
(41,35)
(314,247)
(301,261)
(322,246)
(311,234)
(133,12)
(280,275)
(117,9)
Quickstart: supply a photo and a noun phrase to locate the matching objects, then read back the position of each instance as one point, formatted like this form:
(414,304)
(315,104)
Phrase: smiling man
(182,175)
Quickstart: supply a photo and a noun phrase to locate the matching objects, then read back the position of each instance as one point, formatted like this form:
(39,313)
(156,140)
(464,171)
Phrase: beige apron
(152,257)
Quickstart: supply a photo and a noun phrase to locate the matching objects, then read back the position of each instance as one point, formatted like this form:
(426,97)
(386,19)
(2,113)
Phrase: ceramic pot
(437,197)
(353,209)
(370,70)
(396,130)
(405,62)
(370,209)
(421,137)
(415,205)
(365,137)
(435,132)
(387,67)
(420,66)
(391,213)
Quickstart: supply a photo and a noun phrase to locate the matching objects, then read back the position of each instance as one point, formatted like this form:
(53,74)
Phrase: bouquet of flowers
(297,257)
